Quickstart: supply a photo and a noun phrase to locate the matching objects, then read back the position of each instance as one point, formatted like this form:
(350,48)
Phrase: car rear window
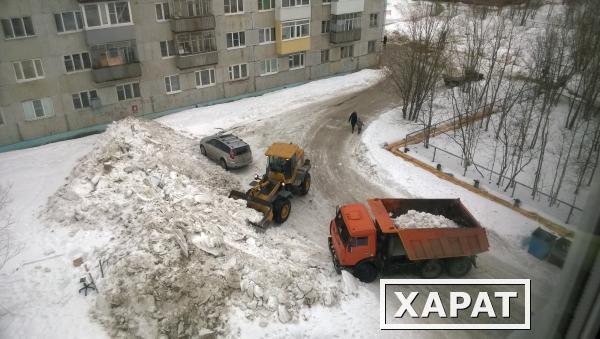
(242,150)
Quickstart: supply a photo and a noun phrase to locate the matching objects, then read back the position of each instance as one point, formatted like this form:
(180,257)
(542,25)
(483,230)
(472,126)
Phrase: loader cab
(353,234)
(282,161)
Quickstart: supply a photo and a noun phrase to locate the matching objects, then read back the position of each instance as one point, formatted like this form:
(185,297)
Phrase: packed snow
(416,219)
(182,252)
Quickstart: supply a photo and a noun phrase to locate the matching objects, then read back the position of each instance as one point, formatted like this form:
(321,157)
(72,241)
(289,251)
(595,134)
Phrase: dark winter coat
(353,118)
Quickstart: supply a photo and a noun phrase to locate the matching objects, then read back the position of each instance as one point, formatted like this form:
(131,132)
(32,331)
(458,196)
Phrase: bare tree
(415,66)
(551,70)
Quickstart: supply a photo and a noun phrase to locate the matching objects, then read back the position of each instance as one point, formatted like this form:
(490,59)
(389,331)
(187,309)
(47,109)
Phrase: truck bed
(431,243)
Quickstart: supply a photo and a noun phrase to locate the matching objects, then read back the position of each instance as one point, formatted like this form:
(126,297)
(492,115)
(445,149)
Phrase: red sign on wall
(134,108)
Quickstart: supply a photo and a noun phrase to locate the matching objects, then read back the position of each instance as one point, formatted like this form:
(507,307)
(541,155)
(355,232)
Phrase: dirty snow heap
(182,253)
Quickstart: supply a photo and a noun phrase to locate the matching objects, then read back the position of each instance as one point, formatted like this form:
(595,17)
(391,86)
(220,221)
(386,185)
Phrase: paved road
(322,129)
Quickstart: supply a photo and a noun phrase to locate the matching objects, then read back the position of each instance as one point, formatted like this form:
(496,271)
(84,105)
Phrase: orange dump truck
(368,246)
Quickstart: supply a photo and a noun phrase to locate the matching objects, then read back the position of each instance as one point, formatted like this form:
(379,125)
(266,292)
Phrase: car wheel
(459,267)
(365,272)
(282,207)
(223,164)
(202,150)
(431,269)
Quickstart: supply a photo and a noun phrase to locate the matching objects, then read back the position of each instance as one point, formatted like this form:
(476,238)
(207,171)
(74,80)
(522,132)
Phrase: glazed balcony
(346,36)
(189,24)
(339,7)
(197,60)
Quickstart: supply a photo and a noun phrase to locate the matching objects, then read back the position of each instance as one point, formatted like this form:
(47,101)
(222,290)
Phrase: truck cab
(353,237)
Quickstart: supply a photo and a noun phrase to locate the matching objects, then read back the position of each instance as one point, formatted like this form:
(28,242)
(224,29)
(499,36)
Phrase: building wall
(50,46)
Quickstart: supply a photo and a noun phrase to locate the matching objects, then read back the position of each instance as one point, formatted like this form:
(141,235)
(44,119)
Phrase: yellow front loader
(287,174)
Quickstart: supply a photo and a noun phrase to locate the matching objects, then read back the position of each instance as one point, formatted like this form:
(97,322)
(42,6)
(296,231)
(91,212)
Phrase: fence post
(434,150)
(569,216)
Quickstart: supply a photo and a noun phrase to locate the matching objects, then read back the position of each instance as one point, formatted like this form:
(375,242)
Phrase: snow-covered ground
(141,197)
(38,285)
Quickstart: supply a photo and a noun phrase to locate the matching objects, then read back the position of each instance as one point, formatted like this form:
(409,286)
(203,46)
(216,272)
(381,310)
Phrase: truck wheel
(365,272)
(223,164)
(431,269)
(202,150)
(282,210)
(459,267)
(305,186)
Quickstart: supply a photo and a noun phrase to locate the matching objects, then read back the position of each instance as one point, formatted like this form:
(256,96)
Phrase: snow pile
(416,219)
(182,253)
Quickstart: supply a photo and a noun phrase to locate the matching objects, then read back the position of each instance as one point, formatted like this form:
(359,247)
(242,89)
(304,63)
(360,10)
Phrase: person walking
(384,40)
(353,119)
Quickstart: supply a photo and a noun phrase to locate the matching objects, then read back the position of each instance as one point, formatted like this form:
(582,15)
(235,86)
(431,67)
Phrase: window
(236,39)
(162,11)
(347,52)
(345,22)
(324,56)
(371,47)
(28,69)
(172,84)
(264,5)
(83,99)
(114,54)
(296,60)
(362,241)
(326,2)
(17,27)
(167,48)
(269,66)
(205,77)
(325,26)
(77,62)
(38,109)
(292,3)
(196,42)
(266,35)
(373,20)
(234,6)
(106,14)
(295,29)
(237,72)
(128,91)
(68,21)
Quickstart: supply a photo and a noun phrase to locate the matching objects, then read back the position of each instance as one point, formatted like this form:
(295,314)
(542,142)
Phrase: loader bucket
(262,206)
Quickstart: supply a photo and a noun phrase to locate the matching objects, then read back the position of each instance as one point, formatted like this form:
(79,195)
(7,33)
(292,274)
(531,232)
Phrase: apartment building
(68,64)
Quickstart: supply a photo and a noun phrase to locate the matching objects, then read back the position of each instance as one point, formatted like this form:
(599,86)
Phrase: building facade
(68,64)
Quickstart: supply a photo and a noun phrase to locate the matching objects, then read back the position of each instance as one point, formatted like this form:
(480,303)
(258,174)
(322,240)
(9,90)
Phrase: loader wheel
(203,150)
(282,210)
(459,267)
(365,272)
(305,186)
(431,269)
(223,164)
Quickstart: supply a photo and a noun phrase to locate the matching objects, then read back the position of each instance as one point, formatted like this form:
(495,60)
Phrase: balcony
(196,60)
(347,36)
(339,7)
(189,24)
(292,13)
(117,72)
(292,46)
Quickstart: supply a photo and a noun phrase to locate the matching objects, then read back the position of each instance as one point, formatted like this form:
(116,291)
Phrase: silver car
(226,149)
